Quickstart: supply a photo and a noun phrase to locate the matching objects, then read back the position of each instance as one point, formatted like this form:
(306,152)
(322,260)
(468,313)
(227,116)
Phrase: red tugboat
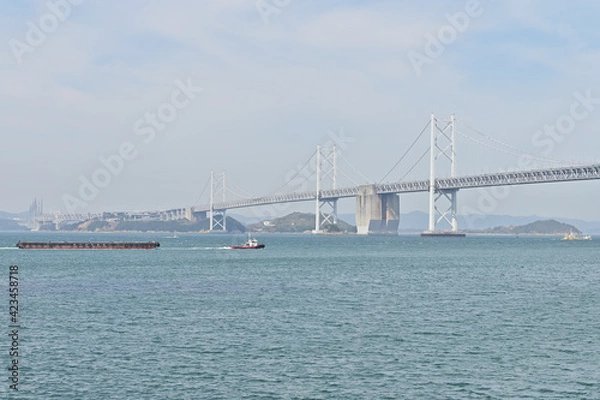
(88,245)
(251,244)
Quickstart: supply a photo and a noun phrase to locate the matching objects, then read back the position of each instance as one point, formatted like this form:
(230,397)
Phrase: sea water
(309,317)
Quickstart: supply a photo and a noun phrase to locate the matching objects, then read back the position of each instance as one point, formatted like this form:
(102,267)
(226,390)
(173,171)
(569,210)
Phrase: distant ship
(88,245)
(574,236)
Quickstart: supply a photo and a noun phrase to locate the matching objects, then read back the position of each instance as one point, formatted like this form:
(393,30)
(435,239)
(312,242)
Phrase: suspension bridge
(377,204)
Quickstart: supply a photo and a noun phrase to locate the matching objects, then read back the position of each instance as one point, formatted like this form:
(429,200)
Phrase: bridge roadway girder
(565,174)
(522,178)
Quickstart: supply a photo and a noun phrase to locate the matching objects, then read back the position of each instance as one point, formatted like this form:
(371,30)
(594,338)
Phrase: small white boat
(574,236)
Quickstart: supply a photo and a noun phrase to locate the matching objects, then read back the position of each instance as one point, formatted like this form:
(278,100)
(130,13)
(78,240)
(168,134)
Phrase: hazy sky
(84,80)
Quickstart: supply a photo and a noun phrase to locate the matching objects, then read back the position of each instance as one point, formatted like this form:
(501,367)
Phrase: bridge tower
(325,210)
(442,203)
(36,210)
(217,218)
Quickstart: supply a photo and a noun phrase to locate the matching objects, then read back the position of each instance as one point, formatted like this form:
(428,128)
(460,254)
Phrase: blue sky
(272,92)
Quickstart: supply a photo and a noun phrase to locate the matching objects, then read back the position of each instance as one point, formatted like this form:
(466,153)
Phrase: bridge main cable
(516,151)
(406,152)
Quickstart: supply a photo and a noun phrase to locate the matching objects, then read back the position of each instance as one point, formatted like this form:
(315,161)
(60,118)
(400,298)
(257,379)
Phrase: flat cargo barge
(443,234)
(88,245)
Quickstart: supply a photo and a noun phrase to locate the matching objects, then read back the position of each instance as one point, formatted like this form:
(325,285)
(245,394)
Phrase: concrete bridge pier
(189,214)
(376,214)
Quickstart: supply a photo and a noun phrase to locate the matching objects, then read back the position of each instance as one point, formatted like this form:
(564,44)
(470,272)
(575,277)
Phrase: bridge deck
(550,175)
(565,174)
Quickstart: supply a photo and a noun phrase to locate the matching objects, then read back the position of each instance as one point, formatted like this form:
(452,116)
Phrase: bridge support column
(453,221)
(325,218)
(442,146)
(218,221)
(325,171)
(330,218)
(217,218)
(448,214)
(376,214)
(189,214)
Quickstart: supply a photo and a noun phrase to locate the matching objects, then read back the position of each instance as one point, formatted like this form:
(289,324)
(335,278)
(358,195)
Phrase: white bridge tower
(325,210)
(217,218)
(442,203)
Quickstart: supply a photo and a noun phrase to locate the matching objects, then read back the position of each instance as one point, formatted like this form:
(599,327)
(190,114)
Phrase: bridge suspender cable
(240,191)
(521,152)
(350,179)
(415,164)
(296,174)
(239,194)
(513,153)
(202,193)
(406,152)
(355,170)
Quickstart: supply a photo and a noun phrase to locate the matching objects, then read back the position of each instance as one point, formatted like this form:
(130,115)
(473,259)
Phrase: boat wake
(197,248)
(9,248)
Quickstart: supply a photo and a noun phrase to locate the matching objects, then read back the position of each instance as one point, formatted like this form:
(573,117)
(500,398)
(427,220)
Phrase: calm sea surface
(309,317)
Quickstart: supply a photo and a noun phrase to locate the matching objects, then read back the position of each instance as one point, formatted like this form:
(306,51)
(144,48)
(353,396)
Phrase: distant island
(12,225)
(292,223)
(181,226)
(299,223)
(545,227)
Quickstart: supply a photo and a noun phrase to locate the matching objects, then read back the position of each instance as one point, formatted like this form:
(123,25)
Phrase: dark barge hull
(88,245)
(242,247)
(443,234)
